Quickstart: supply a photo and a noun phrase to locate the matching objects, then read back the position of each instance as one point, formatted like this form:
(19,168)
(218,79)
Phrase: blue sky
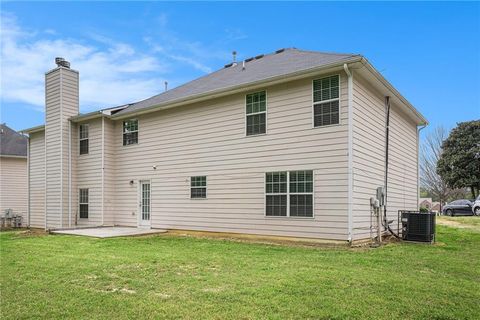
(125,51)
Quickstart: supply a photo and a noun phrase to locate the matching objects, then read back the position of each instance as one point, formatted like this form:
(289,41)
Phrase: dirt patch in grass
(471,223)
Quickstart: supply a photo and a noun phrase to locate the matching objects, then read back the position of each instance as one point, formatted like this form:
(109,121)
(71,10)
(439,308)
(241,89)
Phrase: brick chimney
(61,103)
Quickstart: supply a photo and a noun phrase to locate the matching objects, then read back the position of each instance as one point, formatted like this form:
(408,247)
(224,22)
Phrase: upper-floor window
(326,101)
(198,187)
(256,113)
(130,132)
(83,137)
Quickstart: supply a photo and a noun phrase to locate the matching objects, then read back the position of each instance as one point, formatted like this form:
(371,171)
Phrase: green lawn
(167,276)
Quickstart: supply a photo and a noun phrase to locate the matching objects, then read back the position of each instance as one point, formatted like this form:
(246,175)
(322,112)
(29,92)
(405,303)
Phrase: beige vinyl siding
(369,157)
(61,99)
(208,139)
(89,174)
(402,172)
(37,179)
(14,186)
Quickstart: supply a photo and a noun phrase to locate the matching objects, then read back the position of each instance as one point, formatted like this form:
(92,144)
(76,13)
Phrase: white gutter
(350,151)
(418,161)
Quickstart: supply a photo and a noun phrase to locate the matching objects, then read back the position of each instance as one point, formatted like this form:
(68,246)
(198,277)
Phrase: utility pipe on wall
(418,160)
(387,133)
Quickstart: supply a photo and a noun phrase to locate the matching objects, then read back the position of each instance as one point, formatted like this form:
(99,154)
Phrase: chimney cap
(61,62)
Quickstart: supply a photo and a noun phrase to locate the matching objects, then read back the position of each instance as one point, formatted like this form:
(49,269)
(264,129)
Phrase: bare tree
(429,154)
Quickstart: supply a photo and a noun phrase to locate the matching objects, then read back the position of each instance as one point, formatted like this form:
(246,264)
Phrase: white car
(476,206)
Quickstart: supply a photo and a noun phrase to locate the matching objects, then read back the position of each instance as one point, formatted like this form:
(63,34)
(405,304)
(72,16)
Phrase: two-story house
(293,143)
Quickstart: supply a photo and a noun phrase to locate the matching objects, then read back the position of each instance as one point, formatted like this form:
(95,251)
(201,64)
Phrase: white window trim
(80,203)
(265,194)
(137,131)
(206,188)
(251,114)
(329,100)
(81,139)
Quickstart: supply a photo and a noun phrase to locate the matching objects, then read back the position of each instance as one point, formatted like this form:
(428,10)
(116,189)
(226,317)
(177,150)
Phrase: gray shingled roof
(12,143)
(282,62)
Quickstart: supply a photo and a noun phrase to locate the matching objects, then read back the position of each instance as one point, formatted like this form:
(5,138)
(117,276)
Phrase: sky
(125,51)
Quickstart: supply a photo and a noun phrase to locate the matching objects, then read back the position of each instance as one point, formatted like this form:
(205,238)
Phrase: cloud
(113,75)
(111,72)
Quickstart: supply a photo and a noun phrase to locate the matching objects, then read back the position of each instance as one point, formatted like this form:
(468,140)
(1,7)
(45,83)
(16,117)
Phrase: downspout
(350,151)
(69,174)
(387,136)
(103,167)
(418,161)
(28,181)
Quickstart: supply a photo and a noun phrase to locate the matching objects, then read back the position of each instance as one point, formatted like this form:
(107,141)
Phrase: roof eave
(233,89)
(33,129)
(12,156)
(421,119)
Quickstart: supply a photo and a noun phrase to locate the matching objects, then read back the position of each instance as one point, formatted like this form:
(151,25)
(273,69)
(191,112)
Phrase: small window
(326,101)
(256,113)
(83,203)
(130,132)
(198,187)
(83,137)
(289,194)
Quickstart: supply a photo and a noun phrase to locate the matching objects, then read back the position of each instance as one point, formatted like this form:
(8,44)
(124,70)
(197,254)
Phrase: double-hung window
(289,194)
(326,101)
(83,203)
(276,194)
(256,113)
(130,132)
(83,138)
(198,187)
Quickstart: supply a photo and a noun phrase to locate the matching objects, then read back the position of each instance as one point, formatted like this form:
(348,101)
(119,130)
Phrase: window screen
(289,193)
(83,203)
(326,101)
(256,113)
(130,132)
(83,138)
(198,187)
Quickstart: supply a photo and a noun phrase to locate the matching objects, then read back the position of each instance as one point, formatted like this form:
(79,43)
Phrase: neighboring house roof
(262,67)
(12,143)
(422,200)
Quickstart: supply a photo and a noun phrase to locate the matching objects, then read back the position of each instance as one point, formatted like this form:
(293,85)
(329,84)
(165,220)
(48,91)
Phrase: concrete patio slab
(109,232)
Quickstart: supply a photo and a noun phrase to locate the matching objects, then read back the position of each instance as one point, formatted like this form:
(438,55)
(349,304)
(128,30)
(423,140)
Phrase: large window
(130,132)
(83,137)
(198,187)
(256,113)
(289,194)
(83,203)
(326,101)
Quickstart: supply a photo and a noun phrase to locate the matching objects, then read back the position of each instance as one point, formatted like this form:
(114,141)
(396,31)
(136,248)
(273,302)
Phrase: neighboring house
(425,203)
(13,172)
(289,144)
(436,207)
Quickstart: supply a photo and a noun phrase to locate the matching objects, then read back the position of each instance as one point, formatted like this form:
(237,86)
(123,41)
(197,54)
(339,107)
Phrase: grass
(163,276)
